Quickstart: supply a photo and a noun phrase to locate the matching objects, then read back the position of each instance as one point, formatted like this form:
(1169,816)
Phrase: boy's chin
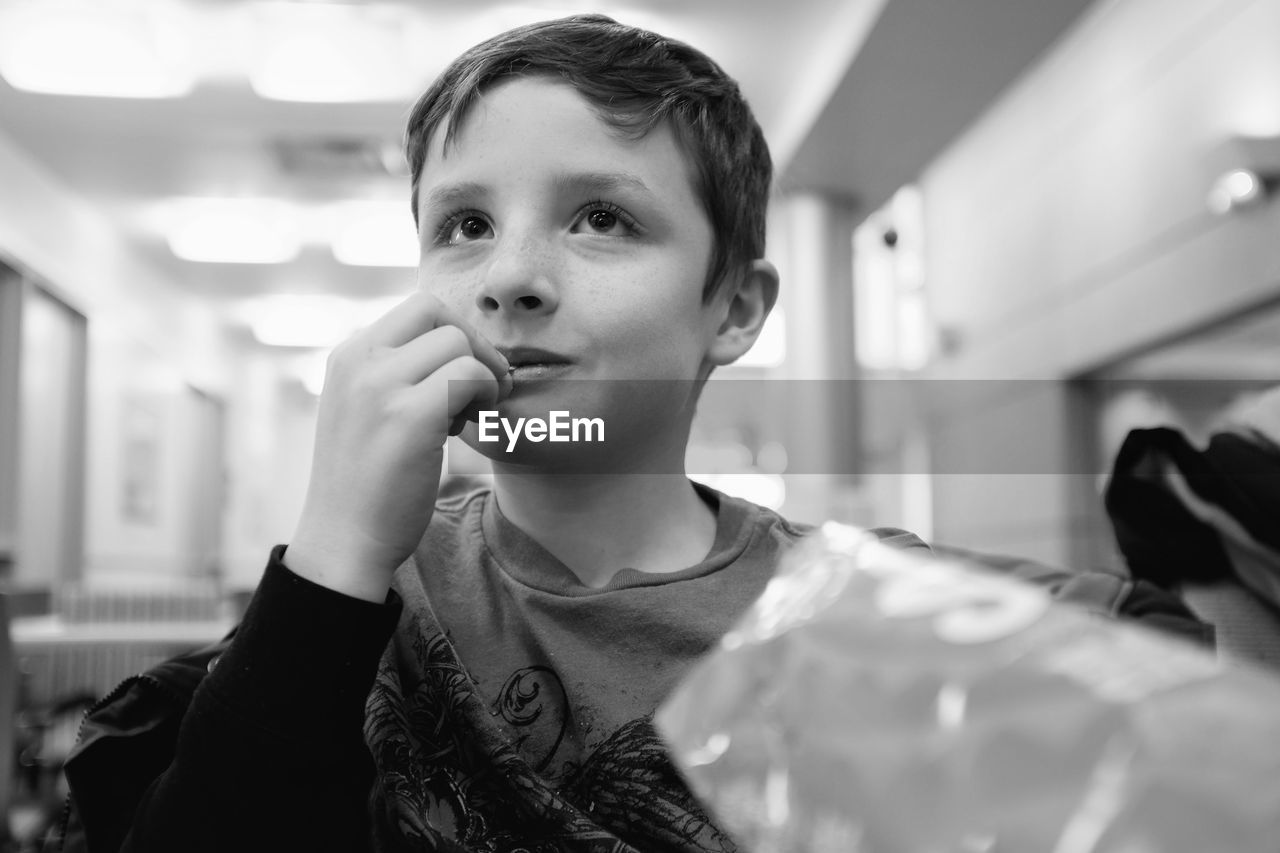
(540,458)
(607,456)
(588,427)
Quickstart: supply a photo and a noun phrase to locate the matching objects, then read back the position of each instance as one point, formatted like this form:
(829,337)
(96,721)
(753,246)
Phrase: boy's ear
(742,310)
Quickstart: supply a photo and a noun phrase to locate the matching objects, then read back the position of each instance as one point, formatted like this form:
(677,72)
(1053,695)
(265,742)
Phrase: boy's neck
(598,525)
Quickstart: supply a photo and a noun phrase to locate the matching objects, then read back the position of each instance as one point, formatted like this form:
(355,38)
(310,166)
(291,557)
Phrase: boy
(477,670)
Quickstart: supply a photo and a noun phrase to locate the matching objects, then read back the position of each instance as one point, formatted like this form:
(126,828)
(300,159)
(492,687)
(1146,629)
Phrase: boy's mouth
(529,363)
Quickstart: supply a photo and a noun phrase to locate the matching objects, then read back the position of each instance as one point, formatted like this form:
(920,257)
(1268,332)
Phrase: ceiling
(1240,349)
(856,96)
(924,73)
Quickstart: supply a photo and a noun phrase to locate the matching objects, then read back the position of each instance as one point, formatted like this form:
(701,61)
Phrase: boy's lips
(527,363)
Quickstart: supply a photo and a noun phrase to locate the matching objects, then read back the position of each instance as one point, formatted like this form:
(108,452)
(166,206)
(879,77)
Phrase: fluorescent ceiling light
(487,20)
(101,49)
(300,321)
(315,321)
(234,231)
(331,53)
(375,234)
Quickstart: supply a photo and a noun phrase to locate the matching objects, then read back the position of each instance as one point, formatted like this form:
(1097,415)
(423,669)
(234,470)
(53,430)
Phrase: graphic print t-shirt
(512,710)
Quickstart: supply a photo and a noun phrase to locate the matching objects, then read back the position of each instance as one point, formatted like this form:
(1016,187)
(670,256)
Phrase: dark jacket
(253,744)
(127,740)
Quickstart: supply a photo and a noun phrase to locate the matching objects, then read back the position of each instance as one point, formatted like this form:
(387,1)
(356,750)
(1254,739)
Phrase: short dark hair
(637,80)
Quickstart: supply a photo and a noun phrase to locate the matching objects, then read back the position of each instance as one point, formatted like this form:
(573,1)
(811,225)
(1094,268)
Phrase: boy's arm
(393,393)
(270,754)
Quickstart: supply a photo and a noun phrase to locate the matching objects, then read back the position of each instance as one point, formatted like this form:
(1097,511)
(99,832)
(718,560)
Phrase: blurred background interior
(1054,215)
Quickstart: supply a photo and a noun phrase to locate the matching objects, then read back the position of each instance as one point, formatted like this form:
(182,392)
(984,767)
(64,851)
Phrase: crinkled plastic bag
(876,700)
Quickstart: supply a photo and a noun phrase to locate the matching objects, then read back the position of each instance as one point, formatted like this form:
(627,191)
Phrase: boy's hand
(386,410)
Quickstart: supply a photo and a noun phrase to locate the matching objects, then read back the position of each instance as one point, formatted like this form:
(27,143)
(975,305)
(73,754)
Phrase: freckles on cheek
(452,290)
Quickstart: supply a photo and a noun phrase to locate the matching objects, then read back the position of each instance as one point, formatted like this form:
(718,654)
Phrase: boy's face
(580,253)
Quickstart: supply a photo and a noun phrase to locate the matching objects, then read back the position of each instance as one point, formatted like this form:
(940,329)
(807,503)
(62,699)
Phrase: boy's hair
(636,79)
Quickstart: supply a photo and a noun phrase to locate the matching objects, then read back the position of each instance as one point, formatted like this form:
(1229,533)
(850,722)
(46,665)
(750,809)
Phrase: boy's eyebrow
(601,182)
(448,195)
(582,183)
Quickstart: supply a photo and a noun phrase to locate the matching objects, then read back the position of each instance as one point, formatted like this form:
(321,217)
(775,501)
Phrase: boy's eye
(605,219)
(602,220)
(469,228)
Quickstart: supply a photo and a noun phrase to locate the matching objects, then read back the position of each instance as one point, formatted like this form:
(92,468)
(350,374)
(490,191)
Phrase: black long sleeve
(270,754)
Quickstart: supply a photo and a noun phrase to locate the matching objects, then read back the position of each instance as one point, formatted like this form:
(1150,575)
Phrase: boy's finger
(467,385)
(422,313)
(417,314)
(425,354)
(471,388)
(481,348)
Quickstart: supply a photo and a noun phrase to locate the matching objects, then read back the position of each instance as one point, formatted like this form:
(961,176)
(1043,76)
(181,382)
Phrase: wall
(51,440)
(808,242)
(148,436)
(1068,227)
(271,431)
(148,345)
(10,391)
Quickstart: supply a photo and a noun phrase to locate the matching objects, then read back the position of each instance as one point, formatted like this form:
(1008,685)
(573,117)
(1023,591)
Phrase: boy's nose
(519,280)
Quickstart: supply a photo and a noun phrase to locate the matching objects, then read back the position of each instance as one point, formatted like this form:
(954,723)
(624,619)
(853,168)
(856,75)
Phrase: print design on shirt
(449,775)
(415,746)
(629,783)
(523,705)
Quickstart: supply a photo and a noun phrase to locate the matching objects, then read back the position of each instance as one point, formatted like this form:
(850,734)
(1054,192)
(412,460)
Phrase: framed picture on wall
(140,461)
